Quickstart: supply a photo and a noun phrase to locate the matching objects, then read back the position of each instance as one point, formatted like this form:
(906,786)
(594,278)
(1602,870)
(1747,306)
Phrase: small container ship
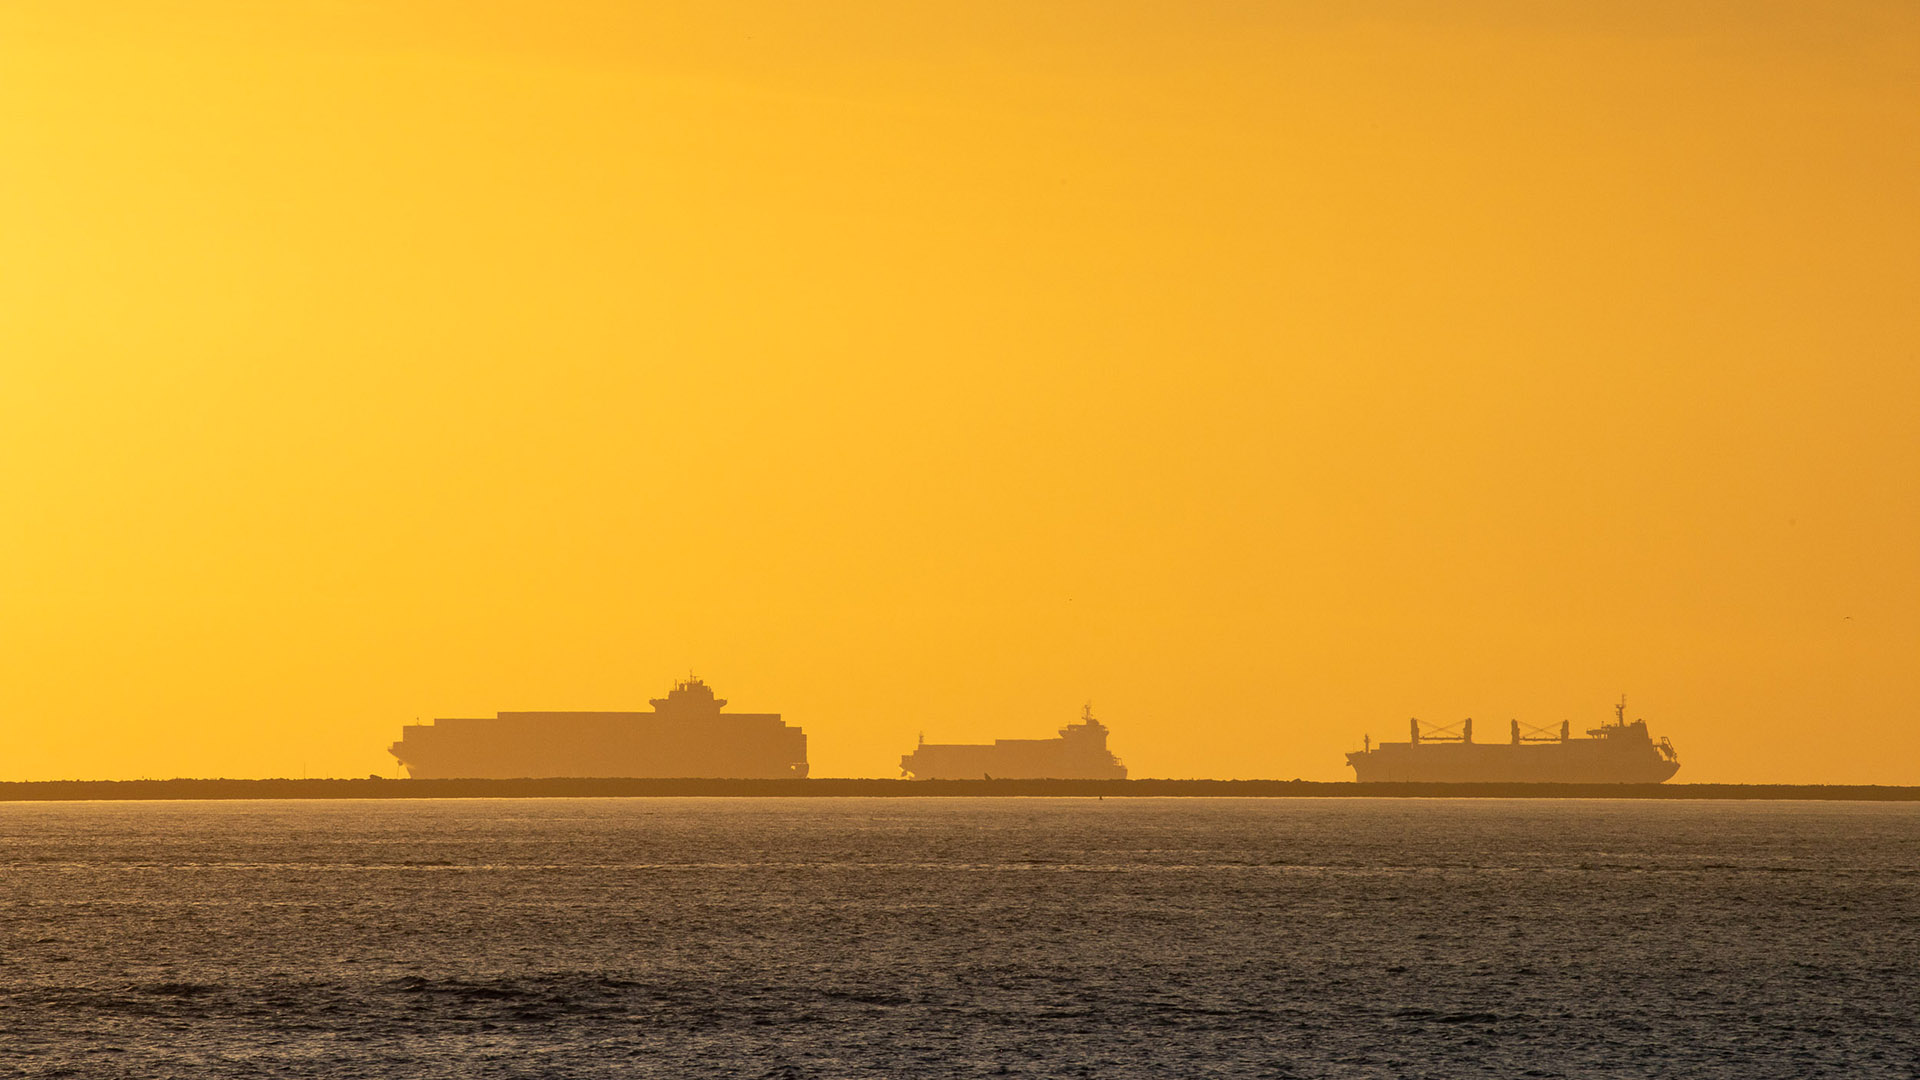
(1615,753)
(1078,753)
(685,736)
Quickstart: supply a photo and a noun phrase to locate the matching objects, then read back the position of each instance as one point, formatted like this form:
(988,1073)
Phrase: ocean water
(936,937)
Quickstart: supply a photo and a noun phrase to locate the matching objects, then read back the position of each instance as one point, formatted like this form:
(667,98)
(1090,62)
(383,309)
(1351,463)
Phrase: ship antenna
(1620,711)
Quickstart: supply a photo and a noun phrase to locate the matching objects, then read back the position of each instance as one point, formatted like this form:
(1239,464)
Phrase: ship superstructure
(1613,753)
(686,735)
(1078,753)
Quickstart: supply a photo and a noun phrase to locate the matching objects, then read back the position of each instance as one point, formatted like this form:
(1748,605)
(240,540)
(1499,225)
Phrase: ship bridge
(689,697)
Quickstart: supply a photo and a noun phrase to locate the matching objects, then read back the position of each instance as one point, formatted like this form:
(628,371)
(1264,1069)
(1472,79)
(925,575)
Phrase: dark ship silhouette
(686,735)
(1079,753)
(1616,753)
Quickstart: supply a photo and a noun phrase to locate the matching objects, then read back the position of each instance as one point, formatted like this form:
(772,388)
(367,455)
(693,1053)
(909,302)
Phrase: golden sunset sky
(1266,373)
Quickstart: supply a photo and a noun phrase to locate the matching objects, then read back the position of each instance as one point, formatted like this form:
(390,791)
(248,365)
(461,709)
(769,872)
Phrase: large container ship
(686,735)
(1615,753)
(1078,753)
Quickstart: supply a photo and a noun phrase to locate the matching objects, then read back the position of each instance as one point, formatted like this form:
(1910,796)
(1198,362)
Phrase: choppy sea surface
(964,937)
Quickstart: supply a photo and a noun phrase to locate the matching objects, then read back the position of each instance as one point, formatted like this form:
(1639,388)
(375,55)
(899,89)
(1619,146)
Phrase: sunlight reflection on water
(863,937)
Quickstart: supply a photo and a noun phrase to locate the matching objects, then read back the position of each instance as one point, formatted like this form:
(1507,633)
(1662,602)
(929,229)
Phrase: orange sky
(1266,373)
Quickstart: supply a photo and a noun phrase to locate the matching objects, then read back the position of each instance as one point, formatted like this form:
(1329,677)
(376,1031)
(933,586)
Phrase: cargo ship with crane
(1620,752)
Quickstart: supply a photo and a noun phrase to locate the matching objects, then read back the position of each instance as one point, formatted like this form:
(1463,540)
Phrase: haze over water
(1269,373)
(869,937)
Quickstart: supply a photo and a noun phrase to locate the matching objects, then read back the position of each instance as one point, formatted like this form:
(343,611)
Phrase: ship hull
(961,762)
(740,746)
(1578,762)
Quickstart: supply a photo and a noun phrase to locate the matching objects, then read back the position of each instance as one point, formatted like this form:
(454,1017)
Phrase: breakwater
(576,788)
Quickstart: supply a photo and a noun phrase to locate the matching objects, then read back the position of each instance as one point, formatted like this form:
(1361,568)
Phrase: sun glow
(1267,374)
